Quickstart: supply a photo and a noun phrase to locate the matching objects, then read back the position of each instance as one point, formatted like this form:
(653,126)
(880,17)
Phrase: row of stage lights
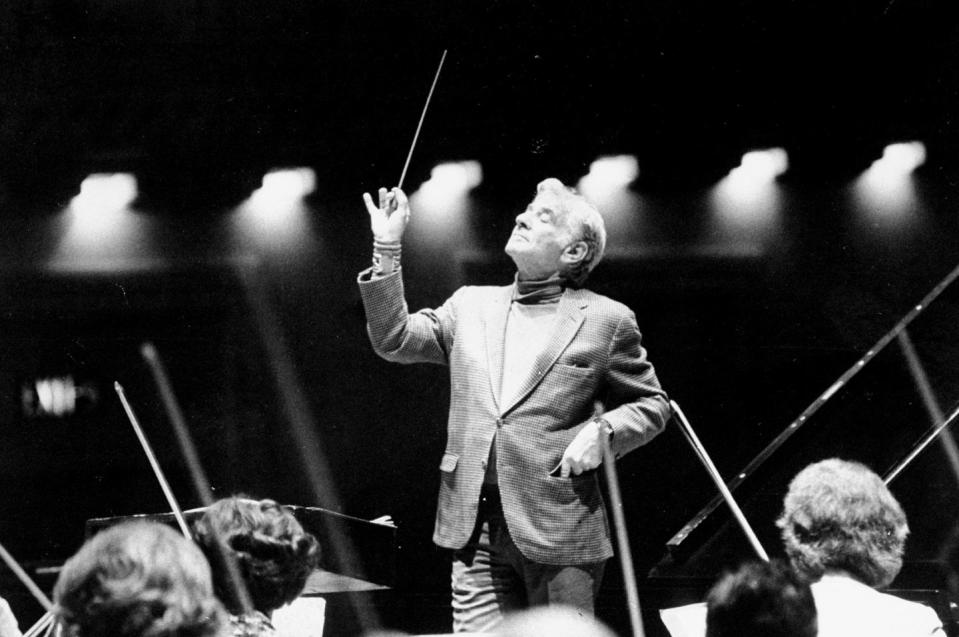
(109,192)
(99,211)
(104,193)
(746,197)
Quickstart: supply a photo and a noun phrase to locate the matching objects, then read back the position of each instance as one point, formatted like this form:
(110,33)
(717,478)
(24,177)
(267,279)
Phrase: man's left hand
(584,453)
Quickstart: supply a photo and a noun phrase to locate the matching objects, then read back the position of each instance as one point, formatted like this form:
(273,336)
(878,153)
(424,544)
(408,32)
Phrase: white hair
(585,221)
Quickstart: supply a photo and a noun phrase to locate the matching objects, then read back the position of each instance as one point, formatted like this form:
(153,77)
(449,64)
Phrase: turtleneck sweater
(539,291)
(529,326)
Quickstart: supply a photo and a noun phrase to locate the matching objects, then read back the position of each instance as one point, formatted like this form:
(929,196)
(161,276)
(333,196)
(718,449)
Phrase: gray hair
(839,515)
(585,221)
(138,579)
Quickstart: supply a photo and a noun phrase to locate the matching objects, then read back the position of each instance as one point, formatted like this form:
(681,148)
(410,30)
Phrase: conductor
(519,502)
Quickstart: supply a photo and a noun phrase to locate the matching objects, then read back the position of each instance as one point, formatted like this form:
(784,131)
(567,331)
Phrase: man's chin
(512,252)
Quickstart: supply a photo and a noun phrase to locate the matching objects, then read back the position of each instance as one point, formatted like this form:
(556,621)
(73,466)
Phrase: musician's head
(558,233)
(764,599)
(138,579)
(274,555)
(839,516)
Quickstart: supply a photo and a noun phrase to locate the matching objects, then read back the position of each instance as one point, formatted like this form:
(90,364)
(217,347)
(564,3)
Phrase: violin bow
(157,471)
(622,539)
(47,621)
(21,574)
(718,480)
(197,474)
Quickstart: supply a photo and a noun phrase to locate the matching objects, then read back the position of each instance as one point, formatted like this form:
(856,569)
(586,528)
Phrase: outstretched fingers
(370,206)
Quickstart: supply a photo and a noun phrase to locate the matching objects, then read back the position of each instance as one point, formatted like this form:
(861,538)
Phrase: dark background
(746,327)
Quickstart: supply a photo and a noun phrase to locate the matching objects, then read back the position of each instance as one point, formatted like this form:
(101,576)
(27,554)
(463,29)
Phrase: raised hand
(388,220)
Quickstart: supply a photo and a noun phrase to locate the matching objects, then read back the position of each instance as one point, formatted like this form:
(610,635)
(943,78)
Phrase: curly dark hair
(839,515)
(138,579)
(763,600)
(274,554)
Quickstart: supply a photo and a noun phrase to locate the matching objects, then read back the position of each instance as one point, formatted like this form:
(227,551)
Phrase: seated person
(137,579)
(845,532)
(273,553)
(761,599)
(8,622)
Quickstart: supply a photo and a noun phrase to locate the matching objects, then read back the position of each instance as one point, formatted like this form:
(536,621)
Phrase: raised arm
(397,335)
(388,222)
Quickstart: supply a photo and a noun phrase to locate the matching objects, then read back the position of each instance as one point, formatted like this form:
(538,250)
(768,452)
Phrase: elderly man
(518,502)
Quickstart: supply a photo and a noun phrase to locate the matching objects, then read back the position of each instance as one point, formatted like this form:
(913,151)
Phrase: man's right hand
(389,219)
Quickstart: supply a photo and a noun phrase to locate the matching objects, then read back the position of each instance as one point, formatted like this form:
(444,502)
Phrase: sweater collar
(540,291)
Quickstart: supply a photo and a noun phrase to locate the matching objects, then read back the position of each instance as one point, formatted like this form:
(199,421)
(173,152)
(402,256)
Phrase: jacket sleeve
(638,406)
(398,336)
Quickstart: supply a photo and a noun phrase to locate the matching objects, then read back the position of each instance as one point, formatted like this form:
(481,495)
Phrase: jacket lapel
(495,319)
(569,317)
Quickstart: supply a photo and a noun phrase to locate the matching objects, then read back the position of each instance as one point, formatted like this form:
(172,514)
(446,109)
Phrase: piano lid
(879,411)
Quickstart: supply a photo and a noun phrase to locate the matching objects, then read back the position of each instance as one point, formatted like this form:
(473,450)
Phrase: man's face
(540,236)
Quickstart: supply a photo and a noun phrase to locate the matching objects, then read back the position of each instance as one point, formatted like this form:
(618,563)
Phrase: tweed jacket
(594,354)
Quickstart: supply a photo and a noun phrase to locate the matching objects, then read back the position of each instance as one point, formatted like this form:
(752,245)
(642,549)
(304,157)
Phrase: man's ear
(574,253)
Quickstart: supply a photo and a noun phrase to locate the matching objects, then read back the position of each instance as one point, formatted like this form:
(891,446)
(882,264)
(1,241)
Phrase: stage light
(757,171)
(746,202)
(760,166)
(103,195)
(450,181)
(100,231)
(283,187)
(274,217)
(898,161)
(446,191)
(606,186)
(441,203)
(885,190)
(609,173)
(57,397)
(900,158)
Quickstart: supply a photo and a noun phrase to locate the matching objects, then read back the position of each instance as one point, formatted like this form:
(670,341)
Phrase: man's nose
(521,220)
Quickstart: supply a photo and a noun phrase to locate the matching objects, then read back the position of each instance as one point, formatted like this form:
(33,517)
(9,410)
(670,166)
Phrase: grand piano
(893,409)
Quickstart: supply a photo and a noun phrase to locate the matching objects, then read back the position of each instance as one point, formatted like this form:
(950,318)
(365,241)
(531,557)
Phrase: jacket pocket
(448,463)
(582,371)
